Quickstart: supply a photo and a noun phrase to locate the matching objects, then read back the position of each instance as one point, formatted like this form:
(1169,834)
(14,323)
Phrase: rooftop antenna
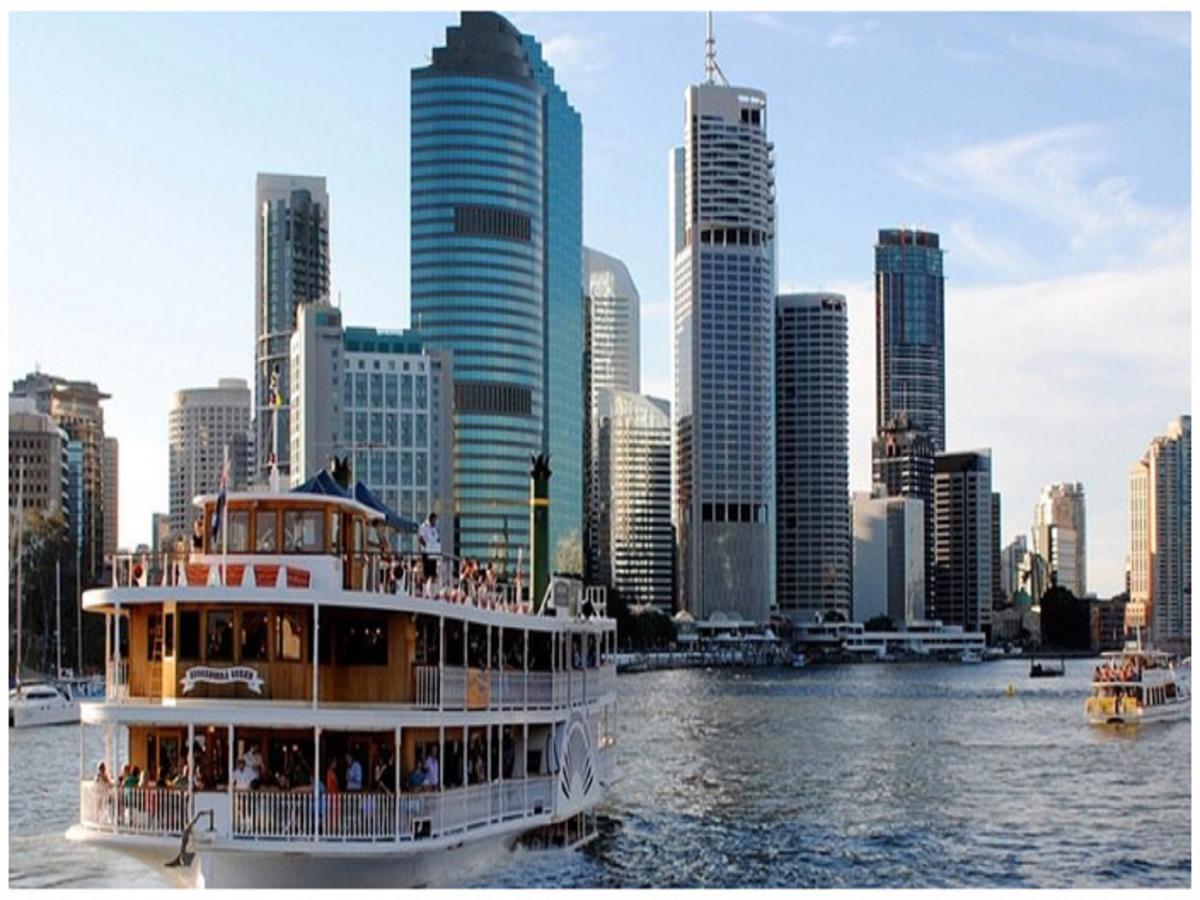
(710,56)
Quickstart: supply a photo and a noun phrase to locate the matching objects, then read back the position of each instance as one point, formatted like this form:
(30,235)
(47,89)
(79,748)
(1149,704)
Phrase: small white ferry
(1137,685)
(296,705)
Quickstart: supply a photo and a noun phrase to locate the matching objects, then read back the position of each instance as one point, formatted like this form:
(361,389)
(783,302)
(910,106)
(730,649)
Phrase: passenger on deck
(243,778)
(102,774)
(416,778)
(432,779)
(354,773)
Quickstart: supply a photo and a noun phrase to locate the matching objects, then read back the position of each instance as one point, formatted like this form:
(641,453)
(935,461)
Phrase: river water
(851,776)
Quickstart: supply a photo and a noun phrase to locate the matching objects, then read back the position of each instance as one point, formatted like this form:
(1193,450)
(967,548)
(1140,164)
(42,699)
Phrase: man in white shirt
(254,761)
(431,545)
(431,770)
(242,776)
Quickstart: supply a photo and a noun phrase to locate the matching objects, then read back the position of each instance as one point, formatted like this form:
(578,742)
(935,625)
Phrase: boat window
(169,635)
(189,635)
(335,531)
(362,640)
(304,531)
(289,636)
(219,645)
(265,530)
(238,536)
(154,637)
(254,635)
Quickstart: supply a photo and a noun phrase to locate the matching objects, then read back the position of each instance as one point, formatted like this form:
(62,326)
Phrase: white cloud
(1065,379)
(771,21)
(989,250)
(1072,51)
(575,56)
(1172,28)
(851,34)
(1051,175)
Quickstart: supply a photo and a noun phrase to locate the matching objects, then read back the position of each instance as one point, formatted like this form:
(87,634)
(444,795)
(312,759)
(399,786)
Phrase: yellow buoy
(1010,691)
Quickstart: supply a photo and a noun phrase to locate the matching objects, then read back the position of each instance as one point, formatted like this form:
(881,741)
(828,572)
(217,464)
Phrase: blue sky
(1052,153)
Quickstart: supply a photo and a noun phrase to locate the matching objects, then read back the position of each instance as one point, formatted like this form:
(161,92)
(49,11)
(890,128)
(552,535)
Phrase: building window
(492,398)
(492,221)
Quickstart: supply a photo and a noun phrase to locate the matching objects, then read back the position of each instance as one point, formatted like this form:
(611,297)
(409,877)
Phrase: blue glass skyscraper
(495,165)
(565,411)
(910,337)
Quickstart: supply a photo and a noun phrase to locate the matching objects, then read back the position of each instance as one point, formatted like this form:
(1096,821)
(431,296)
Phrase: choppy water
(856,776)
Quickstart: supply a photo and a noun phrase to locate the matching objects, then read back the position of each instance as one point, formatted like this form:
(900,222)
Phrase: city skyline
(1063,221)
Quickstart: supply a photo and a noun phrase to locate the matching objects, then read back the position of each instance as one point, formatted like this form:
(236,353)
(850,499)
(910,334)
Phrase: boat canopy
(324,484)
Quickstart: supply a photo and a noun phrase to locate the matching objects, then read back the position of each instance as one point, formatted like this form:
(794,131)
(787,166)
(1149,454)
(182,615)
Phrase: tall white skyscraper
(1060,534)
(612,362)
(291,265)
(889,557)
(723,219)
(1160,535)
(201,423)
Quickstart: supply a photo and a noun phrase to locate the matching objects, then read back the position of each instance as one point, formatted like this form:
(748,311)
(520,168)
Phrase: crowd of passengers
(1130,670)
(345,773)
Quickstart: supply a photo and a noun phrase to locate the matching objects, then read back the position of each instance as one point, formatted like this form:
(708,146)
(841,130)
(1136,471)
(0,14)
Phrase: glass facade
(565,410)
(478,289)
(910,331)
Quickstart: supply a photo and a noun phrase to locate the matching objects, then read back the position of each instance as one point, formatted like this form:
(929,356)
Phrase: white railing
(576,686)
(116,679)
(355,816)
(541,689)
(272,814)
(427,686)
(454,687)
(508,688)
(136,810)
(341,817)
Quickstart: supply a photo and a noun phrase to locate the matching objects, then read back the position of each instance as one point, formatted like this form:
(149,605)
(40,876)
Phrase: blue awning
(364,496)
(322,483)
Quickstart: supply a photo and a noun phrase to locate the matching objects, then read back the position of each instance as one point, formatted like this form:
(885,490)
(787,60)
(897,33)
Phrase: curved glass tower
(496,198)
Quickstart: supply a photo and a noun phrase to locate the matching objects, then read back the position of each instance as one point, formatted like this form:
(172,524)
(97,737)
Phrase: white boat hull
(29,715)
(1164,712)
(264,865)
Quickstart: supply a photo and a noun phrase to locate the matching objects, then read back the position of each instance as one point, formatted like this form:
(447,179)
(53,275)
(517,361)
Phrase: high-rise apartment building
(889,557)
(910,342)
(1160,536)
(110,461)
(377,398)
(160,532)
(611,361)
(38,475)
(1060,534)
(962,539)
(75,407)
(723,227)
(496,256)
(201,424)
(812,427)
(291,265)
(633,470)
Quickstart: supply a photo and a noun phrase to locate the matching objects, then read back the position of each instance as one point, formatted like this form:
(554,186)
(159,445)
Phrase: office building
(110,461)
(38,475)
(888,557)
(291,266)
(812,426)
(611,327)
(902,457)
(563,329)
(380,400)
(636,540)
(962,539)
(1012,559)
(75,406)
(496,259)
(910,342)
(1160,536)
(723,223)
(160,532)
(202,423)
(1060,534)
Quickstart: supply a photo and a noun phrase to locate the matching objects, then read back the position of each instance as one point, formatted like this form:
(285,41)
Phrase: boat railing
(273,814)
(270,815)
(116,679)
(428,687)
(541,689)
(133,810)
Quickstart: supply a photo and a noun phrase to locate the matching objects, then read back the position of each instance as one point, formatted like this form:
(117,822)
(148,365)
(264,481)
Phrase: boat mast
(20,537)
(57,620)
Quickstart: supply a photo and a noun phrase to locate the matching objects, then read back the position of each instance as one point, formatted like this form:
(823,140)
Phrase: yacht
(42,703)
(1137,685)
(970,656)
(300,705)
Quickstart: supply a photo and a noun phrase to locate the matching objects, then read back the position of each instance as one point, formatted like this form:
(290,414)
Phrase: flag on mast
(222,489)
